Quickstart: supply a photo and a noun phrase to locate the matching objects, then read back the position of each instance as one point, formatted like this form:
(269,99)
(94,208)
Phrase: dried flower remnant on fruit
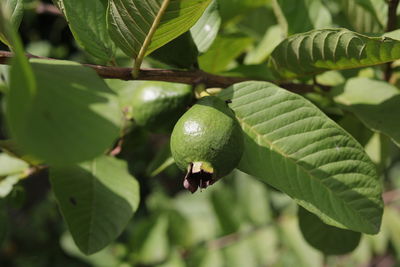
(199,175)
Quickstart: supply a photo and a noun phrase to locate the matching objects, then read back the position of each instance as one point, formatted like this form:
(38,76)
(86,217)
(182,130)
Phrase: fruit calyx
(199,175)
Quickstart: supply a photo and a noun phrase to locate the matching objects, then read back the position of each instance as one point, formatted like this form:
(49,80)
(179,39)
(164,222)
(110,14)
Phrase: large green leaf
(328,239)
(14,10)
(206,29)
(97,200)
(132,22)
(330,49)
(87,21)
(64,114)
(375,103)
(295,147)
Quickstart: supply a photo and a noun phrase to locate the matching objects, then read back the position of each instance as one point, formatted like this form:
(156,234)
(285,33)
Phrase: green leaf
(375,103)
(150,241)
(302,15)
(87,21)
(330,49)
(293,146)
(97,200)
(272,38)
(161,161)
(300,252)
(365,16)
(104,258)
(180,52)
(206,29)
(231,9)
(223,51)
(64,114)
(328,239)
(132,22)
(252,198)
(13,11)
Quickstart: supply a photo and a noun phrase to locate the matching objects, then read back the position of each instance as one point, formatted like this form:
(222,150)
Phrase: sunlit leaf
(293,146)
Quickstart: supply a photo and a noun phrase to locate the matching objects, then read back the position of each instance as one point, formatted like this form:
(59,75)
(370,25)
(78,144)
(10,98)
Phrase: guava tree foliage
(304,81)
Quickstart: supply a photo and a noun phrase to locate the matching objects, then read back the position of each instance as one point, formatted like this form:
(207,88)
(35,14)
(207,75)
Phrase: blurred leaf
(260,53)
(180,52)
(375,103)
(12,12)
(230,9)
(302,15)
(198,210)
(356,128)
(293,146)
(291,236)
(150,241)
(162,161)
(97,200)
(131,22)
(392,217)
(240,253)
(330,49)
(174,260)
(7,184)
(366,16)
(104,258)
(328,239)
(58,116)
(205,257)
(226,209)
(206,29)
(223,51)
(87,21)
(252,196)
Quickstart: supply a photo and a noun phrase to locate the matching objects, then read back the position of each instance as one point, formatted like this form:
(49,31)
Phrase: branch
(192,77)
(391,26)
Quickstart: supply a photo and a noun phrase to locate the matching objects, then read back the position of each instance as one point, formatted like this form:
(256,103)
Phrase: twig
(192,77)
(391,26)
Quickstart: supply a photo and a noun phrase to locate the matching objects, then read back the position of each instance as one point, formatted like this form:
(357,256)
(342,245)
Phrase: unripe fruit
(207,142)
(157,106)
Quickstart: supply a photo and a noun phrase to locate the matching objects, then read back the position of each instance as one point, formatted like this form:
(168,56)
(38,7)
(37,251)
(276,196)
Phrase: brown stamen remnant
(198,176)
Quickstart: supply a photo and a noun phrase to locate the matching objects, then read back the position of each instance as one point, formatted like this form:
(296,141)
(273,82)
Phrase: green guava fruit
(207,142)
(157,106)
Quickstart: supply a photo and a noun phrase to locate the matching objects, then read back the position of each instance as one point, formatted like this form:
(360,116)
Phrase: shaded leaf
(87,21)
(293,146)
(130,22)
(365,16)
(375,103)
(180,52)
(302,15)
(97,200)
(57,115)
(330,49)
(328,239)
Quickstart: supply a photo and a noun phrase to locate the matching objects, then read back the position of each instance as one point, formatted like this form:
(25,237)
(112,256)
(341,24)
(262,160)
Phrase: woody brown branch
(192,77)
